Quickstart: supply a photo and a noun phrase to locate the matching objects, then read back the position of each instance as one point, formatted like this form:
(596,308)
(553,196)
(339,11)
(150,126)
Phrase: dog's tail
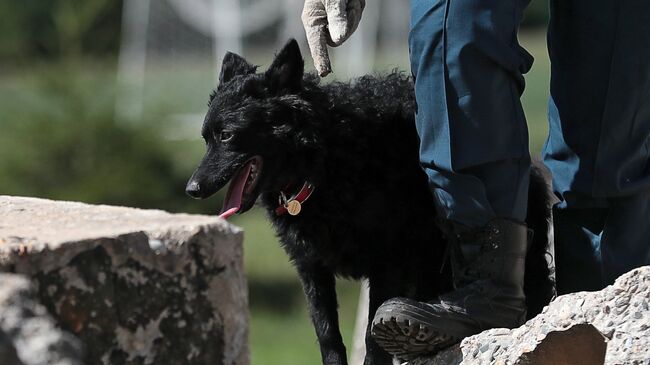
(539,282)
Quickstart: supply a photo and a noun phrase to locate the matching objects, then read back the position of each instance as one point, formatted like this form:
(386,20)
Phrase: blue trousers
(468,69)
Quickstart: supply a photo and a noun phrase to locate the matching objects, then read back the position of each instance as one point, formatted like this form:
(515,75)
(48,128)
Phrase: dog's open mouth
(240,196)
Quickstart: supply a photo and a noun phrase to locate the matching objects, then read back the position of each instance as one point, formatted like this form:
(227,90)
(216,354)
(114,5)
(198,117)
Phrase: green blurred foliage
(536,14)
(36,30)
(52,29)
(60,140)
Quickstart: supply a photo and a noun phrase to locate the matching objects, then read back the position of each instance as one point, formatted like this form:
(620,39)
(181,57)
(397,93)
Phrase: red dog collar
(293,205)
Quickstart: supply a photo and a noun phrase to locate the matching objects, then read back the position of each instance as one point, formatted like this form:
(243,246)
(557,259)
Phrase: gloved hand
(329,22)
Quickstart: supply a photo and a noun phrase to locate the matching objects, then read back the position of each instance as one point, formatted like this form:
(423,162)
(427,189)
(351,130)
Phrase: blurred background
(101,101)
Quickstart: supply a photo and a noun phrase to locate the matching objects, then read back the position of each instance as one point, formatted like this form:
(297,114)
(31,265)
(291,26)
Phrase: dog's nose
(193,189)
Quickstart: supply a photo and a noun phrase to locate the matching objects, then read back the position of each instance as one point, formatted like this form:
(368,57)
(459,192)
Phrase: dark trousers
(468,69)
(596,243)
(598,147)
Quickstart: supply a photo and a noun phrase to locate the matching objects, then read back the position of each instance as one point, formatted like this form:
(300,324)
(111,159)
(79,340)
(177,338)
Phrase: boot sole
(405,331)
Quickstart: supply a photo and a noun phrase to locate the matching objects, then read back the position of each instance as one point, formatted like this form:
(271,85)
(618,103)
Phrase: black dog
(336,167)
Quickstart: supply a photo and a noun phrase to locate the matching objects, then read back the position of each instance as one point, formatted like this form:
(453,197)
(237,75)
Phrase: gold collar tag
(293,207)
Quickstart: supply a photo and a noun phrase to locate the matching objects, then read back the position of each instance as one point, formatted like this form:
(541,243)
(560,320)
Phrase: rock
(28,334)
(7,351)
(581,344)
(136,286)
(611,326)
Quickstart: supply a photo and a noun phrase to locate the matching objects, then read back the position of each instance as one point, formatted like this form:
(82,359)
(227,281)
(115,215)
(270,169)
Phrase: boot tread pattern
(407,339)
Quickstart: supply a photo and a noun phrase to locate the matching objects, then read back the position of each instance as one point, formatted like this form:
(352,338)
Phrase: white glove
(329,22)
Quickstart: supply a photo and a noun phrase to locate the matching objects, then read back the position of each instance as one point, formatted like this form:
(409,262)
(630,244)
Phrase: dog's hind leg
(320,289)
(380,291)
(539,284)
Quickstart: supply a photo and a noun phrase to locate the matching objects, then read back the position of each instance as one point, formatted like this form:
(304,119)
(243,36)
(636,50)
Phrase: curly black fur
(372,213)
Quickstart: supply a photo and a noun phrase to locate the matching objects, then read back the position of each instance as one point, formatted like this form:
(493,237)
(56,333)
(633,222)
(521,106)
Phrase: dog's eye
(225,136)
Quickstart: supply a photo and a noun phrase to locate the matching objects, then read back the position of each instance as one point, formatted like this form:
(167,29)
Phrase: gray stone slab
(136,286)
(28,334)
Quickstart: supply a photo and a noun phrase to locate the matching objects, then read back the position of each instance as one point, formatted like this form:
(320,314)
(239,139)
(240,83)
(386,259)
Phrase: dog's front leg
(320,288)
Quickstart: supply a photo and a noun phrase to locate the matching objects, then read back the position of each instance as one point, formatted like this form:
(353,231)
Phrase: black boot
(488,273)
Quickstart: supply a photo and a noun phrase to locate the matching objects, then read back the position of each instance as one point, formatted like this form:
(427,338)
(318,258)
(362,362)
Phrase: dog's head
(256,128)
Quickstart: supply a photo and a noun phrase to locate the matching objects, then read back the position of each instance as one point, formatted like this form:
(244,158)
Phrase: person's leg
(468,70)
(581,43)
(625,243)
(597,240)
(598,143)
(578,259)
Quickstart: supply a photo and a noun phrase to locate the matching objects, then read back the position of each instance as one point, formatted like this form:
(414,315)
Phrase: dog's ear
(287,69)
(234,65)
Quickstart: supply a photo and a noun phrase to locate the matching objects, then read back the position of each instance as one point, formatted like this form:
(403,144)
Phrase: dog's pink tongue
(228,212)
(235,193)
